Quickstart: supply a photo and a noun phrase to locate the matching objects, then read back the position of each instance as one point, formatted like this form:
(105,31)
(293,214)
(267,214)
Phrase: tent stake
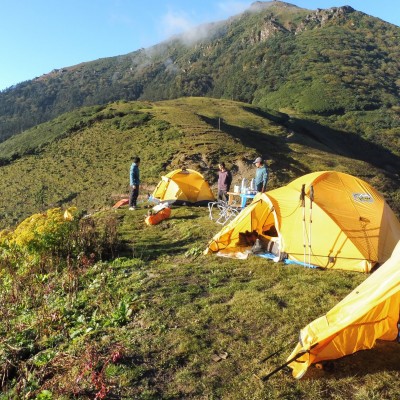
(298,355)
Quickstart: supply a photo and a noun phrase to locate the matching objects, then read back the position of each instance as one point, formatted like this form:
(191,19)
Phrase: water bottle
(244,185)
(252,185)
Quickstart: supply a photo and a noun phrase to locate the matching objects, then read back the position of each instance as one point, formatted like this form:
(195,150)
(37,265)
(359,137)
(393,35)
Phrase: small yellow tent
(369,312)
(183,186)
(348,225)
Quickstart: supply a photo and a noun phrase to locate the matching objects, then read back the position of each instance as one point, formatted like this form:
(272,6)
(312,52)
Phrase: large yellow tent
(369,312)
(348,225)
(183,186)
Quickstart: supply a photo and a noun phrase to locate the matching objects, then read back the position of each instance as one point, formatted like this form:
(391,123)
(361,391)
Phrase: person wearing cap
(261,178)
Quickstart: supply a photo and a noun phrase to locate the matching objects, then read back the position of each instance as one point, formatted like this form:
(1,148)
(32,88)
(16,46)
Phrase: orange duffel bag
(157,218)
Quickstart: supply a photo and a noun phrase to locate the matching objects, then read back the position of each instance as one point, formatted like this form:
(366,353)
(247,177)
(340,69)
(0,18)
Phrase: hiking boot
(132,208)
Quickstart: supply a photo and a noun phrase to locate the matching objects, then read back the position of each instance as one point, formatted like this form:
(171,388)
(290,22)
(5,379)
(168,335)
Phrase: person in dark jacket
(134,182)
(261,178)
(224,182)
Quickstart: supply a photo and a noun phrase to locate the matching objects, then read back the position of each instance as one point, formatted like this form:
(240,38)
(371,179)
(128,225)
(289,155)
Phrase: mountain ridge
(282,57)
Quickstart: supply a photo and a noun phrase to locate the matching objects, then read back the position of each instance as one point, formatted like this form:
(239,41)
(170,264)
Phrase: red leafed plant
(94,367)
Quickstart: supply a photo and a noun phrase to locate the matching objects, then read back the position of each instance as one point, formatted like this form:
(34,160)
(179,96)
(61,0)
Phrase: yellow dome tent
(348,225)
(369,312)
(183,186)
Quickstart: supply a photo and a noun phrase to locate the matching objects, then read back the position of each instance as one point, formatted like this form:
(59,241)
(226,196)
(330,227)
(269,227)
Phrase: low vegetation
(114,308)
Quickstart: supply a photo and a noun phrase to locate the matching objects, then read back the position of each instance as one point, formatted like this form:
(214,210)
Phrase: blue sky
(37,36)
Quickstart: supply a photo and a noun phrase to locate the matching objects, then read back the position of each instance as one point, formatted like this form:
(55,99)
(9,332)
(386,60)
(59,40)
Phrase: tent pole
(309,242)
(303,205)
(298,355)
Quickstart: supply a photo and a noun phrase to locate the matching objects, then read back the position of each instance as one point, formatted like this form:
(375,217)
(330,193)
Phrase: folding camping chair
(221,212)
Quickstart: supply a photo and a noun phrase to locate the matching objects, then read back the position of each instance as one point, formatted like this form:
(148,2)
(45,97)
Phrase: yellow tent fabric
(369,312)
(183,186)
(350,225)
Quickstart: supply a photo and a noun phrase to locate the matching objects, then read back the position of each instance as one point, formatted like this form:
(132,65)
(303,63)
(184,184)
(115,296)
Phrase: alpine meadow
(95,303)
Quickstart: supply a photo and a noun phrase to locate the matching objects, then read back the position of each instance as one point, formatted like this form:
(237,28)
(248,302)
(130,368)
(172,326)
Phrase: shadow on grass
(150,250)
(346,144)
(185,217)
(268,146)
(384,356)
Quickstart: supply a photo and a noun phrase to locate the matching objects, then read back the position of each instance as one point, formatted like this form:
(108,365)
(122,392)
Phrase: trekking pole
(298,355)
(303,205)
(309,237)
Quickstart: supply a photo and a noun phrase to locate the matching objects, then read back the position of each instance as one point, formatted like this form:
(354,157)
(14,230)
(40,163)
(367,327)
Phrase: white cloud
(229,8)
(178,23)
(191,29)
(175,22)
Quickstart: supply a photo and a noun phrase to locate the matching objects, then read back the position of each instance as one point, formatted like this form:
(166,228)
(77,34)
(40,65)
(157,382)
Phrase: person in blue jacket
(261,178)
(134,178)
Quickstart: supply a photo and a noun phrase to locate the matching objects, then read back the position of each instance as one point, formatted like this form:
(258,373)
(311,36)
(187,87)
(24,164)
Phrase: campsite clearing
(164,311)
(199,306)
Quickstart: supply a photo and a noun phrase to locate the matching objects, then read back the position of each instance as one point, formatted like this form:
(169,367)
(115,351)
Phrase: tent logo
(363,197)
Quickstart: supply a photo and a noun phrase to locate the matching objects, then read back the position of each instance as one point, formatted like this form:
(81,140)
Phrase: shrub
(55,238)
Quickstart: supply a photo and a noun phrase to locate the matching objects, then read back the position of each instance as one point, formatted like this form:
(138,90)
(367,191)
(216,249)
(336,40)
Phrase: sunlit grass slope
(112,308)
(82,158)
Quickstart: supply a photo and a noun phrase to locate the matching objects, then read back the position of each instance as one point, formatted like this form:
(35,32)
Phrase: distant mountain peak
(337,10)
(262,5)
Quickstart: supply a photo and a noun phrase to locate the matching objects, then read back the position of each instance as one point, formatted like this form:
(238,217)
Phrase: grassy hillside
(83,158)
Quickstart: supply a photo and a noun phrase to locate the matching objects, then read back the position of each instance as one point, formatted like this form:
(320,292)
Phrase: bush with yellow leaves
(56,238)
(40,234)
(42,231)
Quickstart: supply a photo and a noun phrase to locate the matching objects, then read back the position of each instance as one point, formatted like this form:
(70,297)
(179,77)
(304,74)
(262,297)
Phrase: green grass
(154,318)
(83,157)
(163,321)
